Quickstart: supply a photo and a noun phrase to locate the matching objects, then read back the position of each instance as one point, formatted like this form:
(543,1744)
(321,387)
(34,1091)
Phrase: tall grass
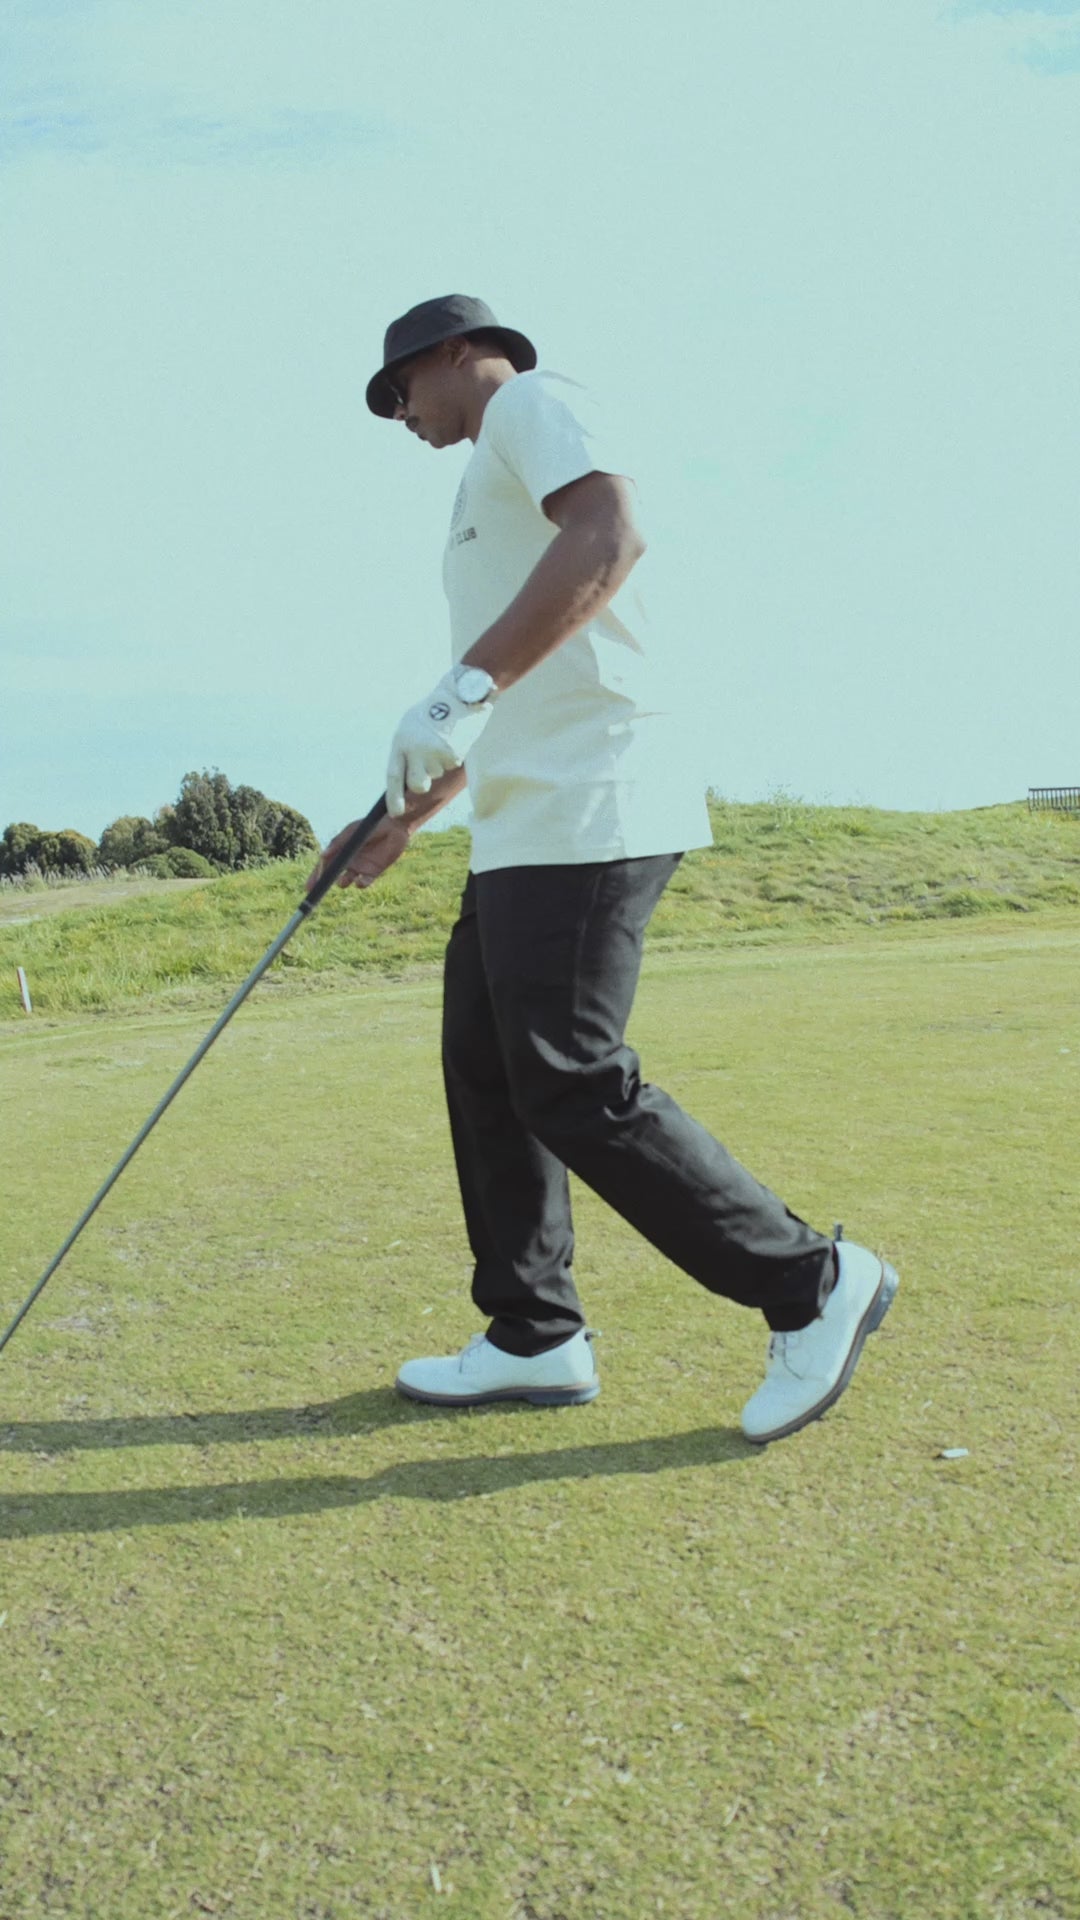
(34,879)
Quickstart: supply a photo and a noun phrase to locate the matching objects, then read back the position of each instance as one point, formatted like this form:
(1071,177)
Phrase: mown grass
(277,1645)
(776,866)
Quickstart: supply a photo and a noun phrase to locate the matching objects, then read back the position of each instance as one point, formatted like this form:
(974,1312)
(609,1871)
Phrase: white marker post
(24,991)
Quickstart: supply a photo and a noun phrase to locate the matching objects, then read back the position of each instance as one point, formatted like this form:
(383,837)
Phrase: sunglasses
(400,380)
(399,385)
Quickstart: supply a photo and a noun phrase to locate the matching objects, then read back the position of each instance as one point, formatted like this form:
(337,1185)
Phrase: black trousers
(541,971)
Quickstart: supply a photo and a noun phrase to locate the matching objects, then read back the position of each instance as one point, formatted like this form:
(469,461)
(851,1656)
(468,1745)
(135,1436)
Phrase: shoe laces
(784,1347)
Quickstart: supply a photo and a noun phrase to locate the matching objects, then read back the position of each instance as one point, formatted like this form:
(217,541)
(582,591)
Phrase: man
(581,813)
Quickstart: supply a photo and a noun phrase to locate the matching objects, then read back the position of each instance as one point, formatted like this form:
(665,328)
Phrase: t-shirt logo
(459,507)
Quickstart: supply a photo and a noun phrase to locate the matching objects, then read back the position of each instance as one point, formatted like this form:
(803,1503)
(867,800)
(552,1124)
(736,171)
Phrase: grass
(776,867)
(280,1646)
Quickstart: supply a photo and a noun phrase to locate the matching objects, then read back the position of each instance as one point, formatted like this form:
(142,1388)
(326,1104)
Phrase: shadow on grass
(466,1477)
(353,1413)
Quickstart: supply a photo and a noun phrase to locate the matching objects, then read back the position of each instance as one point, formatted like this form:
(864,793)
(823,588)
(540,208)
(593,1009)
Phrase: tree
(234,826)
(17,838)
(289,835)
(129,841)
(202,818)
(249,809)
(212,821)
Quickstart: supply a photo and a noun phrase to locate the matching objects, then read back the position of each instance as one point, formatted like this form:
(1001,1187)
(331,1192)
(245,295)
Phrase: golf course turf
(277,1644)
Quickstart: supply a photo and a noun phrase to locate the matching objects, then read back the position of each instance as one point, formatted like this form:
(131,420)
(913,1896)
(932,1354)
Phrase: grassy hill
(776,865)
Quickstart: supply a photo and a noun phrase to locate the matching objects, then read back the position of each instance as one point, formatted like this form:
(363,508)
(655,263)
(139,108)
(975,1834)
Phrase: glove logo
(440,711)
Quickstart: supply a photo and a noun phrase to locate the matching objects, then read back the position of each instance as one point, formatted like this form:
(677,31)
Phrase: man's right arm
(391,837)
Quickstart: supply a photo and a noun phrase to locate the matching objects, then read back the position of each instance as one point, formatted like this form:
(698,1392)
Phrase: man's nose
(400,410)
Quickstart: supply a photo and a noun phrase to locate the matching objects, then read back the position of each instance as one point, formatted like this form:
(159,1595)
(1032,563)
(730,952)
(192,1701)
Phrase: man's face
(428,398)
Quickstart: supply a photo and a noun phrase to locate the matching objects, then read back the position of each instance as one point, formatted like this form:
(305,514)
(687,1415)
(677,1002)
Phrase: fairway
(278,1645)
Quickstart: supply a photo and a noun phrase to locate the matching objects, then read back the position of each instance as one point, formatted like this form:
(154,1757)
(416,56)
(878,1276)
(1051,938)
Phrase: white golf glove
(435,735)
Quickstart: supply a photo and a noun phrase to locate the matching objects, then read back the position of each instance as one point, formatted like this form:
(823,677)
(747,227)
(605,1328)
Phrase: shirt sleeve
(549,436)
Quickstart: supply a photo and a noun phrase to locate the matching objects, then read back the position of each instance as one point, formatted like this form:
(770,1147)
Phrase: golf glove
(433,738)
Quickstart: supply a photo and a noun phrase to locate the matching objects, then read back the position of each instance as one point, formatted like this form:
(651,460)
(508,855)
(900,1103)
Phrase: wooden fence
(1062,799)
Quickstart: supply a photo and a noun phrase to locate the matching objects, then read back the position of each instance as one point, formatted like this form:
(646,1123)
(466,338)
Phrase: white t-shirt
(580,760)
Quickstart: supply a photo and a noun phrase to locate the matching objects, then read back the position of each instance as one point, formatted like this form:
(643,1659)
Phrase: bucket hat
(428,324)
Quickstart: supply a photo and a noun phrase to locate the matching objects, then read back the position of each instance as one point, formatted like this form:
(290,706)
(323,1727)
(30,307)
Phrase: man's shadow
(461,1477)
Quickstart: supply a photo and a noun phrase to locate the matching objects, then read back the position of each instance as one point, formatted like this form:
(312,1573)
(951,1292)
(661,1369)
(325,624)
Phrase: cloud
(78,80)
(1057,52)
(163,131)
(1060,56)
(1004,9)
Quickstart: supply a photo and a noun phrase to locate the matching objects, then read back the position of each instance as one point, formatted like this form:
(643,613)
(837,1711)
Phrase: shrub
(65,852)
(183,864)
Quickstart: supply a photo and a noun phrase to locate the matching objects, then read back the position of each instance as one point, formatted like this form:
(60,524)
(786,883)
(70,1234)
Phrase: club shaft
(325,881)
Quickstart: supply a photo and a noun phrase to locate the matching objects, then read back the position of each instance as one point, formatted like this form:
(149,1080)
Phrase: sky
(822,265)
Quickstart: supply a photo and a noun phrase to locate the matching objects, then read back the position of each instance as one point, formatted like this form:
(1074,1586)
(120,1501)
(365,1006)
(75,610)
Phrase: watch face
(472,685)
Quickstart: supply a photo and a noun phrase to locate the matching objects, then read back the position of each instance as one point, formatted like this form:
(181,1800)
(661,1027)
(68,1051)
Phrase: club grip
(343,855)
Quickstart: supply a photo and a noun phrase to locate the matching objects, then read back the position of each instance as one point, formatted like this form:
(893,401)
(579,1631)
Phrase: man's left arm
(598,543)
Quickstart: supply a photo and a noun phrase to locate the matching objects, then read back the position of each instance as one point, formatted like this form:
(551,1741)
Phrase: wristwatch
(473,685)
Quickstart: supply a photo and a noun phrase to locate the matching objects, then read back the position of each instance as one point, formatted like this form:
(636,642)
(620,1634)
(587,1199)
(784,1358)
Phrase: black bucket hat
(428,324)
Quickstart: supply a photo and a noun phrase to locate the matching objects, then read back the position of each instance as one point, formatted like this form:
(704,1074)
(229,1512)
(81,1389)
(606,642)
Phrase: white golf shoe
(564,1376)
(808,1370)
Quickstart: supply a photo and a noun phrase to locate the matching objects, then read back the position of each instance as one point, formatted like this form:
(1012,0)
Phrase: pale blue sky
(823,260)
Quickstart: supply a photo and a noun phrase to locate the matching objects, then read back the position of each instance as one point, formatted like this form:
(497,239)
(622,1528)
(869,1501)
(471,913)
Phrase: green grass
(776,867)
(280,1646)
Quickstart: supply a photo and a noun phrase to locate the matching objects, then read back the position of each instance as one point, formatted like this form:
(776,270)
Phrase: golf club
(304,910)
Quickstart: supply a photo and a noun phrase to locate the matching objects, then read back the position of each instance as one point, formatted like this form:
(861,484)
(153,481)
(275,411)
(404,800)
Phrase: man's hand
(390,838)
(423,750)
(385,844)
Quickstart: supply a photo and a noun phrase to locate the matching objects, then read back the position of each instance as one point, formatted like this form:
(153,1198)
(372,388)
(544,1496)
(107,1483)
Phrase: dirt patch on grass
(24,905)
